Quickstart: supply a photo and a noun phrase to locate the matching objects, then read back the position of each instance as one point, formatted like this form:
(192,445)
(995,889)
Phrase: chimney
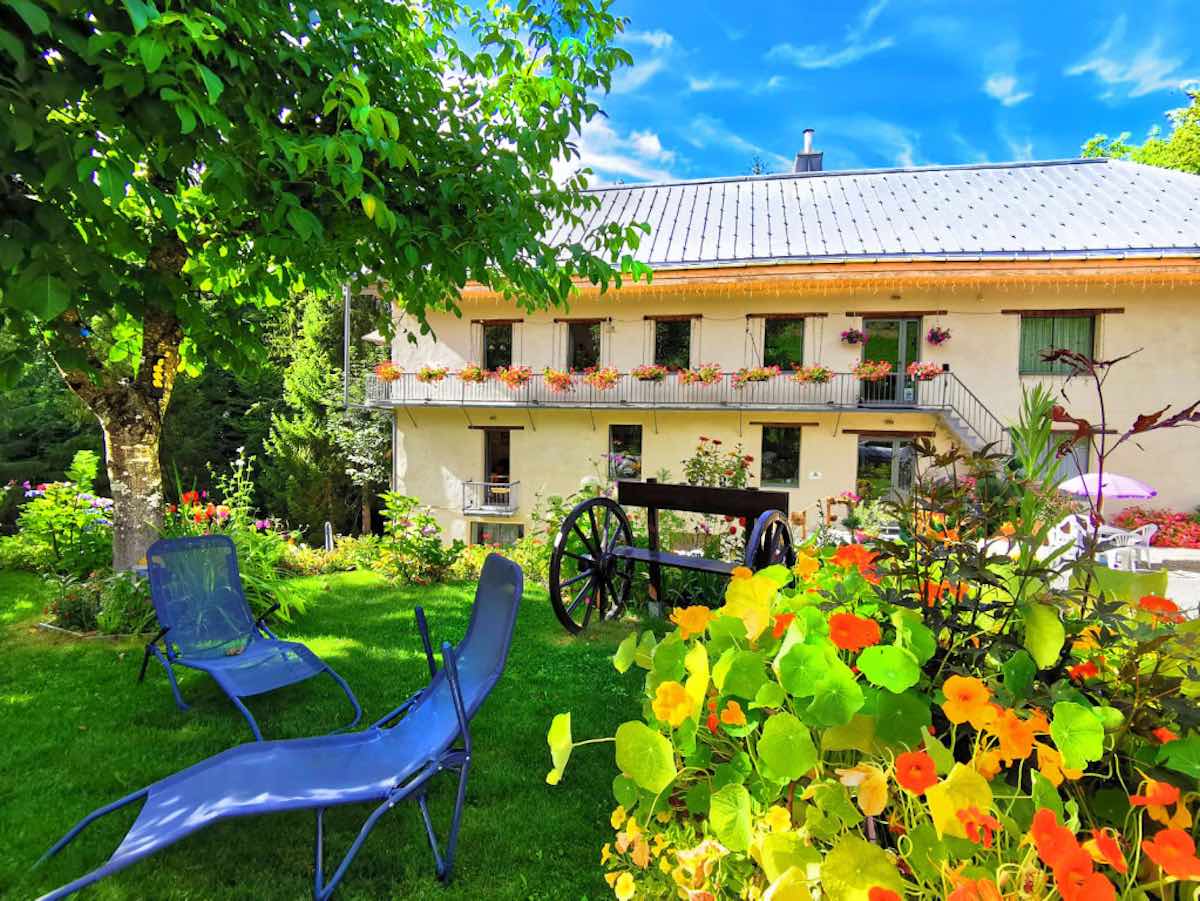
(808,160)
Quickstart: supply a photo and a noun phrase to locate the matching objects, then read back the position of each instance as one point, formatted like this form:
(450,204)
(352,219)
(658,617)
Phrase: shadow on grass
(77,731)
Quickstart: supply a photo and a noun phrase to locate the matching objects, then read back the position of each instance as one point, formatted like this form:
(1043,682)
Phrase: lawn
(77,731)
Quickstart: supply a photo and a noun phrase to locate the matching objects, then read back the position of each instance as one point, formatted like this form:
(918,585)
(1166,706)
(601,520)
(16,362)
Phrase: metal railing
(491,498)
(843,390)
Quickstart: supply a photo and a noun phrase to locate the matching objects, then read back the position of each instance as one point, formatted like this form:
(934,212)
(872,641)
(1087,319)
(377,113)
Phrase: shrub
(711,465)
(1175,529)
(411,549)
(350,552)
(125,607)
(650,372)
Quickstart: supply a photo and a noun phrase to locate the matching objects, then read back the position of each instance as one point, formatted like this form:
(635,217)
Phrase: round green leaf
(855,866)
(1182,755)
(913,635)
(645,755)
(729,817)
(1019,670)
(901,717)
(1044,634)
(1078,733)
(889,667)
(770,695)
(745,675)
(801,668)
(625,791)
(837,698)
(786,749)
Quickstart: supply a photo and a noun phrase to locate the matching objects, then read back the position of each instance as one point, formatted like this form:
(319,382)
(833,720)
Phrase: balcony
(491,498)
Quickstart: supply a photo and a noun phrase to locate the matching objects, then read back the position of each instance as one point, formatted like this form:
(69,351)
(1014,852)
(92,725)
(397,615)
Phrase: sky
(717,84)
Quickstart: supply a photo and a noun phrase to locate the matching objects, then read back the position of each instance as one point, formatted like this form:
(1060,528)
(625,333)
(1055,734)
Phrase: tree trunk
(135,474)
(366,511)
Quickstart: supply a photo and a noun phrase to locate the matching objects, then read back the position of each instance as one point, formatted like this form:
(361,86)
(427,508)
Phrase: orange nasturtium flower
(879,893)
(967,700)
(1164,735)
(974,890)
(853,633)
(782,621)
(978,825)
(857,556)
(915,771)
(691,620)
(1007,529)
(742,572)
(1055,844)
(1175,852)
(1015,734)
(1104,848)
(1050,765)
(1164,609)
(733,715)
(805,566)
(1082,671)
(1158,794)
(672,704)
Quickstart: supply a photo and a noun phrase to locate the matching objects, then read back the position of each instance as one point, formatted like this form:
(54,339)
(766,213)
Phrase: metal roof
(1059,209)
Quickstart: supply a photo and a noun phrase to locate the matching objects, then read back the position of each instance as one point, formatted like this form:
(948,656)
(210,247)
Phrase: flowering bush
(412,548)
(651,372)
(557,380)
(602,378)
(473,372)
(872,370)
(387,371)
(937,335)
(716,467)
(1175,529)
(514,377)
(854,336)
(923,372)
(816,374)
(427,374)
(754,374)
(704,374)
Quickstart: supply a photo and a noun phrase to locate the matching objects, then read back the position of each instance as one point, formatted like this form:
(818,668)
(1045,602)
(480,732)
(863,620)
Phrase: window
(583,345)
(673,343)
(886,467)
(1039,333)
(497,534)
(624,451)
(781,456)
(783,343)
(1074,461)
(497,345)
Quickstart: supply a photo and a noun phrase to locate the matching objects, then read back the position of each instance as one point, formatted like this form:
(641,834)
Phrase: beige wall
(556,448)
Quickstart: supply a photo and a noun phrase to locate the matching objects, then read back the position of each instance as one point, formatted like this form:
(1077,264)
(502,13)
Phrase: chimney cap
(808,160)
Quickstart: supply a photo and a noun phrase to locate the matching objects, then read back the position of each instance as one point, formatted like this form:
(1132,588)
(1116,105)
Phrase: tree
(364,439)
(1179,150)
(171,171)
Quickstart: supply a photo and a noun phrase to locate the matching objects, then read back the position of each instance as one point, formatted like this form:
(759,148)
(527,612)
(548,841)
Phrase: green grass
(77,731)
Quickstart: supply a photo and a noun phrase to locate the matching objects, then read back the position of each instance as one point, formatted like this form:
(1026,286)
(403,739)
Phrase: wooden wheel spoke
(571,581)
(598,544)
(582,558)
(583,592)
(587,544)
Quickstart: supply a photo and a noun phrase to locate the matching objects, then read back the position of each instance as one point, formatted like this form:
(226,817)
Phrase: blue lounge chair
(391,761)
(207,625)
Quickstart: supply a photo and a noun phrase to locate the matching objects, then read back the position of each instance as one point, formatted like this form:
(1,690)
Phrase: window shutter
(1037,334)
(1075,333)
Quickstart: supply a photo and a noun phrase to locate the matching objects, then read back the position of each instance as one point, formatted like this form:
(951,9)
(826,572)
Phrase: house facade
(1096,255)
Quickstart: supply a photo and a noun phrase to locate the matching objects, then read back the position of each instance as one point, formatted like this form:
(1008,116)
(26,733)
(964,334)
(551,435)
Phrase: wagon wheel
(770,542)
(586,579)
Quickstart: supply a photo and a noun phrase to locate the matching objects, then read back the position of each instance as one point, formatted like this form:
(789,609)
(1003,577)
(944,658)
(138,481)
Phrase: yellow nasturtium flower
(778,819)
(872,787)
(672,704)
(805,567)
(618,817)
(625,888)
(692,620)
(749,599)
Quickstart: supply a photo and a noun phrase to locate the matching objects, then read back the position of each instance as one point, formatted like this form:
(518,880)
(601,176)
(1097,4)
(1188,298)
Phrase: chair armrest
(261,622)
(451,666)
(149,650)
(423,628)
(393,714)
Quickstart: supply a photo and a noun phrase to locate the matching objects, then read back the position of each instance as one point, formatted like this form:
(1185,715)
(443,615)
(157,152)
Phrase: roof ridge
(826,173)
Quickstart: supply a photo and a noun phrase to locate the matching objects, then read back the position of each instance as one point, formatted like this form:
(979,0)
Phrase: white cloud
(702,84)
(1003,87)
(1135,70)
(1019,148)
(638,155)
(822,56)
(774,83)
(658,40)
(705,131)
(626,81)
(875,136)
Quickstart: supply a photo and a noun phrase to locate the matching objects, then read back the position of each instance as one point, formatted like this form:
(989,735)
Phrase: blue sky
(884,82)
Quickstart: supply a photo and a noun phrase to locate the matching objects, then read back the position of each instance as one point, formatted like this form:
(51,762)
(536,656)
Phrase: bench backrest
(747,502)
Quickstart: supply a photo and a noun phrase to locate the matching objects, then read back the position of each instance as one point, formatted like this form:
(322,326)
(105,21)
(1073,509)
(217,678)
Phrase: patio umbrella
(1112,486)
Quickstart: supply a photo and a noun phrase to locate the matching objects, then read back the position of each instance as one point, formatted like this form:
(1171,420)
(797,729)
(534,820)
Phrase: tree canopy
(1178,150)
(171,171)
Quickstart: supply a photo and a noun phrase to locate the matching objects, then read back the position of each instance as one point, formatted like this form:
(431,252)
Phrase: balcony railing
(844,390)
(491,498)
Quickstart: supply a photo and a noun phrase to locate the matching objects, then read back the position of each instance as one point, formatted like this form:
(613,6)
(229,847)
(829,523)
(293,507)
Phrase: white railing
(491,498)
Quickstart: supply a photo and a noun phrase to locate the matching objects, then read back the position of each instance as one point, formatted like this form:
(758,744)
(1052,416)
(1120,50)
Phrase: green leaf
(1044,634)
(112,183)
(22,134)
(152,52)
(853,867)
(645,755)
(729,817)
(838,698)
(1078,734)
(779,851)
(625,790)
(140,13)
(1044,794)
(45,296)
(801,668)
(368,204)
(644,657)
(667,659)
(889,667)
(777,573)
(1018,671)
(1182,755)
(770,696)
(11,253)
(13,47)
(698,799)
(626,652)
(559,739)
(913,635)
(901,717)
(212,83)
(858,734)
(744,676)
(785,749)
(187,119)
(31,14)
(943,758)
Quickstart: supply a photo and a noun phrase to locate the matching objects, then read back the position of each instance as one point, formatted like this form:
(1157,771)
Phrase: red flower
(1080,882)
(1081,671)
(733,530)
(915,771)
(1107,845)
(1056,845)
(854,556)
(782,621)
(853,633)
(1164,735)
(979,825)
(1158,794)
(878,893)
(1164,609)
(1175,852)
(712,722)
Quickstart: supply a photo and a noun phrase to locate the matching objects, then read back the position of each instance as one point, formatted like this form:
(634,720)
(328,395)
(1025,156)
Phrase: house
(1098,255)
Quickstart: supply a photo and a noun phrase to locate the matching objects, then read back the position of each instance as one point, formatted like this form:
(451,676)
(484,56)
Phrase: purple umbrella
(1113,486)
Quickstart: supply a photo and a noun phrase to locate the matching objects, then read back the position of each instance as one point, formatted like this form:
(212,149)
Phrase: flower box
(923,372)
(601,378)
(427,374)
(873,370)
(816,375)
(514,377)
(473,372)
(854,336)
(387,371)
(651,372)
(557,380)
(704,374)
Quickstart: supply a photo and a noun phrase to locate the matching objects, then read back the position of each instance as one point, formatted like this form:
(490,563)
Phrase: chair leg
(444,865)
(321,890)
(237,702)
(166,664)
(353,701)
